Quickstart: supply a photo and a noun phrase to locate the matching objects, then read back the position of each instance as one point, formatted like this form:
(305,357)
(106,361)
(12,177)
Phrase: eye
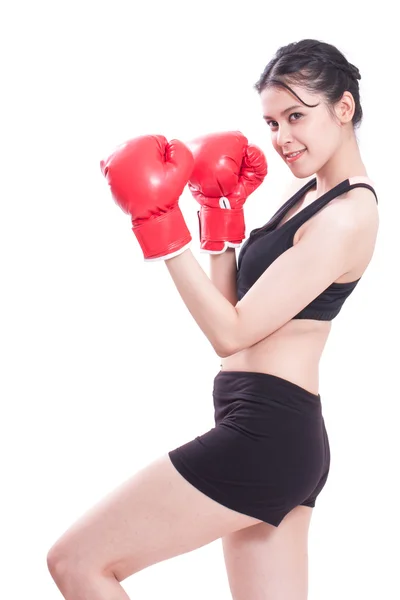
(274,123)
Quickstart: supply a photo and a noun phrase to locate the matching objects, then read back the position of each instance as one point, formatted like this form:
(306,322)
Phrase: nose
(284,136)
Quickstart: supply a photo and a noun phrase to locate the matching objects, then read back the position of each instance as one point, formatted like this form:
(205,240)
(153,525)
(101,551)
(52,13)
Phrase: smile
(294,155)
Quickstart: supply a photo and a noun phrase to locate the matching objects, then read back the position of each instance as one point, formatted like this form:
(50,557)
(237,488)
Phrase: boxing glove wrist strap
(221,224)
(163,235)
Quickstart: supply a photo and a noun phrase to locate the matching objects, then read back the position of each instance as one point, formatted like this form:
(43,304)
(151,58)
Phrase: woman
(253,479)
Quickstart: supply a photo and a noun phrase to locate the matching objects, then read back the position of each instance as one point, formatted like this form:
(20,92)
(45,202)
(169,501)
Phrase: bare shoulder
(356,215)
(356,210)
(362,205)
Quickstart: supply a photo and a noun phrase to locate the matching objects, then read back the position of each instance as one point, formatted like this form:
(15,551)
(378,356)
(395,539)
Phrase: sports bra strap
(341,188)
(361,181)
(308,211)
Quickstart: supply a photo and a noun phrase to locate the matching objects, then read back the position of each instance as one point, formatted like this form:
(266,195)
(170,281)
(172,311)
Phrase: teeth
(294,154)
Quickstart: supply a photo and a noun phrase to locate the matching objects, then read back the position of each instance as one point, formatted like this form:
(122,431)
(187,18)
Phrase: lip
(285,154)
(290,160)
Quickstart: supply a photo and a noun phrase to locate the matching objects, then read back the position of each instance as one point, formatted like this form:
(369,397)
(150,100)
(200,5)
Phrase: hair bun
(354,71)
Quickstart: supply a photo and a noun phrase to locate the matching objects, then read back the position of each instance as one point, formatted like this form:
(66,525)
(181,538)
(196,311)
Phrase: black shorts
(268,452)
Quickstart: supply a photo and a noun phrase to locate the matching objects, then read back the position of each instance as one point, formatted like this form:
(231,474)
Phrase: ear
(345,108)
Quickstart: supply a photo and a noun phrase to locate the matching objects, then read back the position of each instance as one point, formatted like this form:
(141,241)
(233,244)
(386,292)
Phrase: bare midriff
(293,352)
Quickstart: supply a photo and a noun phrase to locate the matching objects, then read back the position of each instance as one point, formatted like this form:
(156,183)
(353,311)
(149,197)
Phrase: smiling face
(295,127)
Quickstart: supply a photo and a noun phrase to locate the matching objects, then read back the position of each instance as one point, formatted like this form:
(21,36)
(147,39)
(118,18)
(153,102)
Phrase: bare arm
(294,279)
(223,271)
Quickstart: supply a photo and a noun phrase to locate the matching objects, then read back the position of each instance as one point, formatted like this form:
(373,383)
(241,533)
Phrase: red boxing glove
(227,169)
(147,175)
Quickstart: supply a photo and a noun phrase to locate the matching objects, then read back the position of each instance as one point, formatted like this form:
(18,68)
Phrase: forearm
(214,314)
(223,272)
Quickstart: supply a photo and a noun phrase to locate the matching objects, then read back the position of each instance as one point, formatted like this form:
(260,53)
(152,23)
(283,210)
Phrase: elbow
(225,349)
(222,353)
(230,341)
(228,348)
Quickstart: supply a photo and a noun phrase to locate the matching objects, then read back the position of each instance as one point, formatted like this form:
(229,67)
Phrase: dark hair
(319,68)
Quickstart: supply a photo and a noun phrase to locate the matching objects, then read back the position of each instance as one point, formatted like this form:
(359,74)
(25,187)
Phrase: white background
(102,367)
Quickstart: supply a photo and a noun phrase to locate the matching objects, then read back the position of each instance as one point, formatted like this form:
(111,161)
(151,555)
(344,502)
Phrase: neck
(345,163)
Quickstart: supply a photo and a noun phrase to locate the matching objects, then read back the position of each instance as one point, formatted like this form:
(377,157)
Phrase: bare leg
(91,587)
(270,563)
(153,516)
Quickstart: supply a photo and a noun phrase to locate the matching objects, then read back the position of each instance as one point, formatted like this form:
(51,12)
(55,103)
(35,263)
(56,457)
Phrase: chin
(301,173)
(305,175)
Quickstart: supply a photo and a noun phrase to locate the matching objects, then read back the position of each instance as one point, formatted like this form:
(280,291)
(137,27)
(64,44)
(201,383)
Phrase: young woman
(253,479)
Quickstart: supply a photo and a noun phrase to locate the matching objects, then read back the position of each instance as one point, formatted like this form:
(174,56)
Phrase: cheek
(324,138)
(306,132)
(274,140)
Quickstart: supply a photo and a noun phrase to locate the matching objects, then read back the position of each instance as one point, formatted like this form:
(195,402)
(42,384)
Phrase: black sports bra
(266,243)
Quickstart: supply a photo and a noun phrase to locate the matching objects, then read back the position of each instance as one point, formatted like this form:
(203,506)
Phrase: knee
(58,562)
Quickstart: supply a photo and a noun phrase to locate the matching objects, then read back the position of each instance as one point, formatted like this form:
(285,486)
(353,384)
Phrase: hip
(268,410)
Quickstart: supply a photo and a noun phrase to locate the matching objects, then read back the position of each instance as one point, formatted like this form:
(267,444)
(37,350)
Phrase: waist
(293,353)
(230,385)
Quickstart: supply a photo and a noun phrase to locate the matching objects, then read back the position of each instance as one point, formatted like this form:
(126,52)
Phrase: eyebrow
(285,111)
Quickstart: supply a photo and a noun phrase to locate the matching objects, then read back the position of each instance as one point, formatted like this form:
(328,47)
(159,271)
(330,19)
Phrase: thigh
(153,516)
(270,563)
